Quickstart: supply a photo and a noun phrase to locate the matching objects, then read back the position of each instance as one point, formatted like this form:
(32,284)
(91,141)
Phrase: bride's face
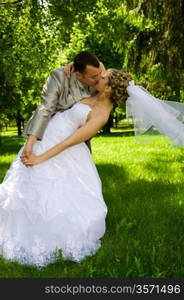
(103,82)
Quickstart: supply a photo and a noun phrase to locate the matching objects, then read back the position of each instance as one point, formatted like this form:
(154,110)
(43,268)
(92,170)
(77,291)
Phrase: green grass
(144,192)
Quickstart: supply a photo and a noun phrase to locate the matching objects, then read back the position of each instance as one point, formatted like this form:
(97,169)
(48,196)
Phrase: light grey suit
(59,93)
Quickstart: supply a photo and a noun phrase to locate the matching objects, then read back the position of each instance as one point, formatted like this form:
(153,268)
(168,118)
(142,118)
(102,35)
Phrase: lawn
(144,192)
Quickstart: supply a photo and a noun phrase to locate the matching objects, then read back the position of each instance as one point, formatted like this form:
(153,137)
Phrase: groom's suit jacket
(59,93)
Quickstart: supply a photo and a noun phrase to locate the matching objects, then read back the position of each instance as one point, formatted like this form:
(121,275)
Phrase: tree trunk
(18,122)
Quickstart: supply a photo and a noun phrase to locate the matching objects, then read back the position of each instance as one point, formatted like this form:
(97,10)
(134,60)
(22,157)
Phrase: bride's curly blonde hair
(118,81)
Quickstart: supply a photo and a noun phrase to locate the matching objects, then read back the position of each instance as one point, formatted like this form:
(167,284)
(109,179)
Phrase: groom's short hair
(83,59)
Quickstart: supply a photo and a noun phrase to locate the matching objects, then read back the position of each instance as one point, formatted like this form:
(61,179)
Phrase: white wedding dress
(54,205)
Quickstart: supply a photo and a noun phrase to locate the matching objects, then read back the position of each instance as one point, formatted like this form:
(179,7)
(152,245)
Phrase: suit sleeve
(49,99)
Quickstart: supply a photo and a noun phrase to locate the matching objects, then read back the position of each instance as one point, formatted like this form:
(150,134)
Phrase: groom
(60,92)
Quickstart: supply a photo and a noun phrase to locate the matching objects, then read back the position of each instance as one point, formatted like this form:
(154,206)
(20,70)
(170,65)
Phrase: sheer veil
(148,111)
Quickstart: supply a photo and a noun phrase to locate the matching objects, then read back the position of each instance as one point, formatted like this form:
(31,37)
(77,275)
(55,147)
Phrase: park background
(142,182)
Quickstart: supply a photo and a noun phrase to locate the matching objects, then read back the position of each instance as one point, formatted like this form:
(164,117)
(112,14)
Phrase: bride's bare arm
(80,135)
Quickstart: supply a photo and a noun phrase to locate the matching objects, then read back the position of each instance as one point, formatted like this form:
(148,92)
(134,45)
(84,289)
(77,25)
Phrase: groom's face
(91,76)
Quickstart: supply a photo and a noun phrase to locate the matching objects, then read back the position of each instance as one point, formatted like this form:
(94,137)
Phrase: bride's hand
(32,160)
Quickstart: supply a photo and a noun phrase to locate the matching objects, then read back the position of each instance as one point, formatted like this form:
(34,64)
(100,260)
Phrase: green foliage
(99,26)
(142,37)
(28,48)
(156,55)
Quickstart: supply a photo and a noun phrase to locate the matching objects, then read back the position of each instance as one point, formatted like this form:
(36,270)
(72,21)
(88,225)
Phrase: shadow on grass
(10,145)
(116,181)
(144,218)
(3,170)
(151,132)
(116,134)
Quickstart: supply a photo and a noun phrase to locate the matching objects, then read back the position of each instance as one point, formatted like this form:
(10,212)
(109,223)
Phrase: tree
(28,49)
(156,53)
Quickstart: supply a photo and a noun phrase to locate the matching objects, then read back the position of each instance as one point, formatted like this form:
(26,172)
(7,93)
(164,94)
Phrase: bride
(54,200)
